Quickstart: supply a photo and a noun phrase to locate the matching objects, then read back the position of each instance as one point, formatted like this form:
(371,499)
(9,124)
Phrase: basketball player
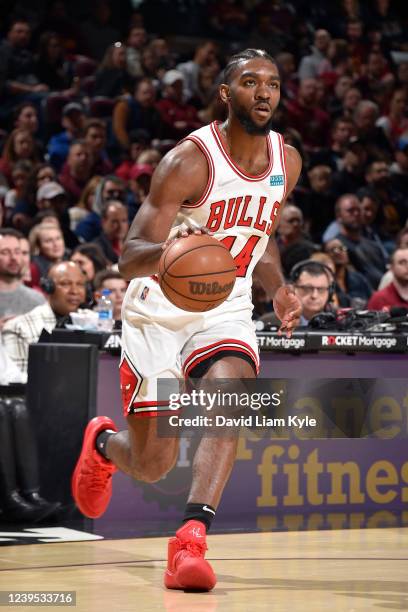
(231,179)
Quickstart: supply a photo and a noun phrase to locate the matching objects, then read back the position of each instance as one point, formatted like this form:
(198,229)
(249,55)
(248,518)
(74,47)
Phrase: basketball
(197,273)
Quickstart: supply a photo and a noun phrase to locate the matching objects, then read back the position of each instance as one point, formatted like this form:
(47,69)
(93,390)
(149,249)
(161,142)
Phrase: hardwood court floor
(344,571)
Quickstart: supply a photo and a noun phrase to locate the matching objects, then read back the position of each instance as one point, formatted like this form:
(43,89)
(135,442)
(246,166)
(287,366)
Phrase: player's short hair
(244,56)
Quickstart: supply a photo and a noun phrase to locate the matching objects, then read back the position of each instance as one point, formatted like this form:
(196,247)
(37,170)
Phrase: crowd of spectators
(91,101)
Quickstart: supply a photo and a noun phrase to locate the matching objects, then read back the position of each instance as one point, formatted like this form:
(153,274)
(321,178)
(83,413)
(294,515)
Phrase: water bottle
(104,308)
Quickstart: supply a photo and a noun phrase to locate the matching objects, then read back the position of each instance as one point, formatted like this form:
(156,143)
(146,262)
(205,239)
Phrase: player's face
(254,95)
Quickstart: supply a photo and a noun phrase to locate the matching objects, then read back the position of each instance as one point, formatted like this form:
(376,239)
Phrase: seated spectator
(351,100)
(98,31)
(310,65)
(26,261)
(150,65)
(52,196)
(137,111)
(26,118)
(26,206)
(95,139)
(151,157)
(364,255)
(76,171)
(85,203)
(112,78)
(135,42)
(312,123)
(139,142)
(66,291)
(376,72)
(19,146)
(294,244)
(335,103)
(73,120)
(393,204)
(47,248)
(90,259)
(15,297)
(370,135)
(351,177)
(19,474)
(17,70)
(56,19)
(395,123)
(401,242)
(110,187)
(289,77)
(317,203)
(396,293)
(165,57)
(313,285)
(115,226)
(178,117)
(351,287)
(205,55)
(109,279)
(139,181)
(399,168)
(19,176)
(372,219)
(52,67)
(341,132)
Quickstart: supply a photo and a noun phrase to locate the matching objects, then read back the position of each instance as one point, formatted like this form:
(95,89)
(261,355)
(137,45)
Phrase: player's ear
(225,93)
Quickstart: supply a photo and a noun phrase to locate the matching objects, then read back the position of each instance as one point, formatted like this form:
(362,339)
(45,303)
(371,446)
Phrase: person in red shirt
(396,293)
(179,118)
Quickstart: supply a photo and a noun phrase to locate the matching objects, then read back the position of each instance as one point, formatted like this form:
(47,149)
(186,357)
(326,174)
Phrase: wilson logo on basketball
(197,288)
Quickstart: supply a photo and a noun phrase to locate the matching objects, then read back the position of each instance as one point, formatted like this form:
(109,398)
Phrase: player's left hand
(184,231)
(288,309)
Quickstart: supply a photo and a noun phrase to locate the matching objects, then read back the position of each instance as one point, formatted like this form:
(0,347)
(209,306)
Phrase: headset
(48,286)
(319,267)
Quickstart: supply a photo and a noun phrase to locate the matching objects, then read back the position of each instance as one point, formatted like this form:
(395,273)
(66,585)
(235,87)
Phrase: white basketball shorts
(159,340)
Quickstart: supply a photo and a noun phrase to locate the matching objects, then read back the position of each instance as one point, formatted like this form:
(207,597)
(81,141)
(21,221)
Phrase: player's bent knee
(152,467)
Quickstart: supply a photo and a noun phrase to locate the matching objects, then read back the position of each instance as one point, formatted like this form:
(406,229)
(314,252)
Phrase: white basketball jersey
(239,209)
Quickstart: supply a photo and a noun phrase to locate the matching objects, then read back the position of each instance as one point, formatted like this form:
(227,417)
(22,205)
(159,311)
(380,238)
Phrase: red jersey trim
(211,172)
(151,409)
(232,164)
(205,352)
(283,163)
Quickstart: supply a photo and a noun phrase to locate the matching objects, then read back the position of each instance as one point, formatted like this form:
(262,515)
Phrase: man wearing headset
(313,284)
(65,288)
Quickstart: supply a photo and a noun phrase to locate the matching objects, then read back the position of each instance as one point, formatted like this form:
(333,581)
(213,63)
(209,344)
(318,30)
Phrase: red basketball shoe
(186,566)
(92,478)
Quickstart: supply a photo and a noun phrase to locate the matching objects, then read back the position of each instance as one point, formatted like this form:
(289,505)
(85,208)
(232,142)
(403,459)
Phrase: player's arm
(180,177)
(269,270)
